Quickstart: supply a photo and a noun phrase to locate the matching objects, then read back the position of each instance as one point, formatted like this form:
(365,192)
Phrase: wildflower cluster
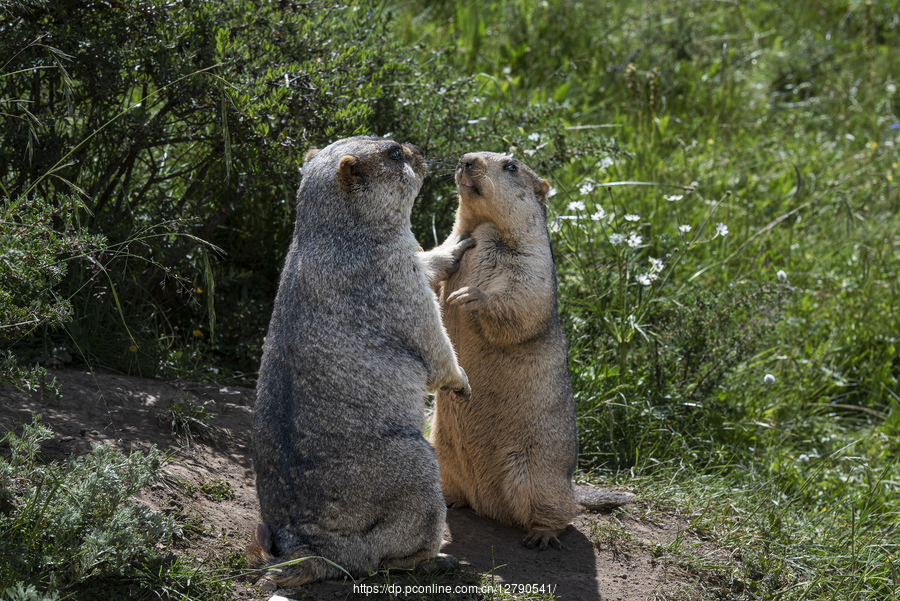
(646,279)
(621,259)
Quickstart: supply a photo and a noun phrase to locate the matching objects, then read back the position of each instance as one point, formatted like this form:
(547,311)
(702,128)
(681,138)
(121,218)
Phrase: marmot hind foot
(542,537)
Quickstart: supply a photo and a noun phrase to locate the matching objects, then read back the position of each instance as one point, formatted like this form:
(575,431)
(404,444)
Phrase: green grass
(217,489)
(779,122)
(776,120)
(186,420)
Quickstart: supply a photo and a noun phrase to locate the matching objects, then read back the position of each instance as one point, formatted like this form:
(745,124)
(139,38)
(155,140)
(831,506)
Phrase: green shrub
(155,112)
(66,524)
(176,124)
(28,593)
(39,240)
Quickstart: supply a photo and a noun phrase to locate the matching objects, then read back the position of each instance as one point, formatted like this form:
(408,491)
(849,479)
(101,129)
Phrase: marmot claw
(464,391)
(538,536)
(469,296)
(463,243)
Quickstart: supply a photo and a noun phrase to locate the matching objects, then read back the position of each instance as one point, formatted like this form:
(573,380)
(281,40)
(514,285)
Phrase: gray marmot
(509,453)
(355,341)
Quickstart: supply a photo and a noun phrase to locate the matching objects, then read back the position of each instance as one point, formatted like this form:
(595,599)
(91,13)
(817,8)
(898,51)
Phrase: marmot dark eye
(511,167)
(396,154)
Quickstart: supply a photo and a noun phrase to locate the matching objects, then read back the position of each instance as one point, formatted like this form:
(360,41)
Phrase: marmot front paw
(457,249)
(459,386)
(469,297)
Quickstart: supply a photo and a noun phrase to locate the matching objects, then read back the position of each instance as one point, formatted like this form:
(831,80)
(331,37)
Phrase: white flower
(721,229)
(616,239)
(890,88)
(781,275)
(632,217)
(769,379)
(643,279)
(606,162)
(656,265)
(673,197)
(600,214)
(634,240)
(576,205)
(534,137)
(684,228)
(551,192)
(586,188)
(555,224)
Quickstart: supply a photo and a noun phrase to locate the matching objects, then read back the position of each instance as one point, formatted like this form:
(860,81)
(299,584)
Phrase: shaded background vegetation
(150,152)
(176,131)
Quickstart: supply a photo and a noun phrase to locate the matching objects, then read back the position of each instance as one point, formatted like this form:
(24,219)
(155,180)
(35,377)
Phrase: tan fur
(355,340)
(508,453)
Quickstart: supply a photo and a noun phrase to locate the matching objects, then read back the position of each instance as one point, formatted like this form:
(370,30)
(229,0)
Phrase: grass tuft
(187,420)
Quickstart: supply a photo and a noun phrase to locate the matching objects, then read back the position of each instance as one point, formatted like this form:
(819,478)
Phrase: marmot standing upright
(342,469)
(509,453)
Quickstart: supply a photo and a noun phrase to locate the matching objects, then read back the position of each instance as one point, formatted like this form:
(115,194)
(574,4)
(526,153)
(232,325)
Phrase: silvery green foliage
(21,592)
(62,523)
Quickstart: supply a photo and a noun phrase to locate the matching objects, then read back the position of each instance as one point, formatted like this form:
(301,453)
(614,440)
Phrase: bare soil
(606,556)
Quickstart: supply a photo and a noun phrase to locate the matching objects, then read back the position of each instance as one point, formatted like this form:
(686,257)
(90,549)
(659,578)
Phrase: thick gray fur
(355,340)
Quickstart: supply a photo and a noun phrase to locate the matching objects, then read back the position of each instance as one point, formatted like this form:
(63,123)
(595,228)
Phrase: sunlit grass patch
(750,383)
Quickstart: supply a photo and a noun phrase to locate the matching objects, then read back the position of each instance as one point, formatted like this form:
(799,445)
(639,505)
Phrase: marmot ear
(310,154)
(541,188)
(347,167)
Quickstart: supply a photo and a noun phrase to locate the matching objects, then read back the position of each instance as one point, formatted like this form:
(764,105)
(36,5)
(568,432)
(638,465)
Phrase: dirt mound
(211,488)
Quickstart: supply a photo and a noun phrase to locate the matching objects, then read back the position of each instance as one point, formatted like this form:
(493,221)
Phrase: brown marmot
(509,453)
(343,471)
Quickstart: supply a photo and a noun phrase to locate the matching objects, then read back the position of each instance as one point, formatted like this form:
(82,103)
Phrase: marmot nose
(464,165)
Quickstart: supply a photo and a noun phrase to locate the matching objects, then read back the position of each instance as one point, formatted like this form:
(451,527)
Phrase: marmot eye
(511,167)
(396,154)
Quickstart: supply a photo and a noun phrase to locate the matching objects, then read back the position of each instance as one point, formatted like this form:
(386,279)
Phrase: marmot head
(370,178)
(500,189)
